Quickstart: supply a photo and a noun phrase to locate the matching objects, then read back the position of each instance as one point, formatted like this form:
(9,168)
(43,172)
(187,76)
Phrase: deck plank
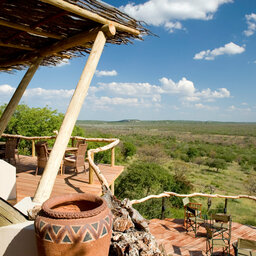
(173,237)
(70,182)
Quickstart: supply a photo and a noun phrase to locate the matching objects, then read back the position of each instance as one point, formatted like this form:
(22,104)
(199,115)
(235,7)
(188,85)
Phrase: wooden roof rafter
(28,29)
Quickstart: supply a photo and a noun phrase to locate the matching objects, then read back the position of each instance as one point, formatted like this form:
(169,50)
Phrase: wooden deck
(172,235)
(70,182)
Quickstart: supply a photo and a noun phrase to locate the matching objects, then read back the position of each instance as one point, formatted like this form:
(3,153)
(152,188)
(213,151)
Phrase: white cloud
(64,62)
(131,89)
(105,73)
(251,22)
(172,26)
(234,108)
(48,94)
(152,94)
(205,107)
(183,87)
(230,49)
(158,13)
(188,92)
(6,89)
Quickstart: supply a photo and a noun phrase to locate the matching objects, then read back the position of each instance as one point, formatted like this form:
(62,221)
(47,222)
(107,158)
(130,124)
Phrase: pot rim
(54,201)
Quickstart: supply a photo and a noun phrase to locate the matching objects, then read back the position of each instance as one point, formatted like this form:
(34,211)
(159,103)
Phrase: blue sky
(202,66)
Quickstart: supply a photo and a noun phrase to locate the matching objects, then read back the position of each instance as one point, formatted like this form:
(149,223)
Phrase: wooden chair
(219,233)
(77,161)
(245,247)
(192,215)
(216,241)
(11,149)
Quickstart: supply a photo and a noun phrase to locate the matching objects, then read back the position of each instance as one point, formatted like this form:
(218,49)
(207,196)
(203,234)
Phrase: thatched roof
(29,28)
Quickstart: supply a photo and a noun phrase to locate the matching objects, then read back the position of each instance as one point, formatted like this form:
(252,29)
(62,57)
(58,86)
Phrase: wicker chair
(43,155)
(192,215)
(77,161)
(11,149)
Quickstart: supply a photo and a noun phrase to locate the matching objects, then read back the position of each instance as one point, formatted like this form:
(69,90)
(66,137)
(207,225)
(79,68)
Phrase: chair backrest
(41,150)
(80,155)
(246,244)
(221,218)
(10,146)
(185,201)
(79,142)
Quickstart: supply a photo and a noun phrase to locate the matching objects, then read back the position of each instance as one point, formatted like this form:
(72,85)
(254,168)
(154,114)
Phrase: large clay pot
(74,224)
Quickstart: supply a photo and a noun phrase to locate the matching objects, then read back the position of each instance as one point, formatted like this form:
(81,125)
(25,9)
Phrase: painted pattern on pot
(78,224)
(64,234)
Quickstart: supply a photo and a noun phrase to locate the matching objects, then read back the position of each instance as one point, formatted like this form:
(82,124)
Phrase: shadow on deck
(173,237)
(70,182)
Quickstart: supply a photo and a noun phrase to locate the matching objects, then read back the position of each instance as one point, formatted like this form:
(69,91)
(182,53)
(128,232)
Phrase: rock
(130,236)
(121,224)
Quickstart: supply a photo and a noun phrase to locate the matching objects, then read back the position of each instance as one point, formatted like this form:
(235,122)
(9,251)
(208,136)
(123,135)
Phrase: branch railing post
(91,171)
(113,157)
(163,208)
(33,148)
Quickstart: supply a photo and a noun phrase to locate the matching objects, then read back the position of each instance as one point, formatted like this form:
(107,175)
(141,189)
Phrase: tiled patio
(172,235)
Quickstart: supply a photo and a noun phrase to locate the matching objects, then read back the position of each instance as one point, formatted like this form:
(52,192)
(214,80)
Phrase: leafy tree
(30,122)
(128,149)
(142,179)
(217,163)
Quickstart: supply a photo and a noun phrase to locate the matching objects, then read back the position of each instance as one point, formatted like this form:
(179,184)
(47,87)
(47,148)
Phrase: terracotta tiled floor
(172,235)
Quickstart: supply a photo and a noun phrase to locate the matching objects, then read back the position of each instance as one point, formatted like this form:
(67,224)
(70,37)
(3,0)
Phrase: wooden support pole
(13,103)
(90,15)
(112,157)
(33,148)
(91,171)
(46,183)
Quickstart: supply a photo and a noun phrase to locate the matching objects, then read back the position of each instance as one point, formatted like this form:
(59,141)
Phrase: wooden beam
(16,46)
(79,39)
(10,108)
(68,43)
(35,31)
(46,183)
(90,15)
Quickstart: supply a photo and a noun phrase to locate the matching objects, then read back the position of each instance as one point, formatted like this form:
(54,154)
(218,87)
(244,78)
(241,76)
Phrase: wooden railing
(90,154)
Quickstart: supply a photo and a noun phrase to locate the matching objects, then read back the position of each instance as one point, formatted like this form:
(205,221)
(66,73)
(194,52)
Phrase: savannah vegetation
(178,156)
(184,157)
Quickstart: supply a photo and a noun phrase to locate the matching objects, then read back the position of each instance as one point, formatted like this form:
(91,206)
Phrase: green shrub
(142,179)
(128,149)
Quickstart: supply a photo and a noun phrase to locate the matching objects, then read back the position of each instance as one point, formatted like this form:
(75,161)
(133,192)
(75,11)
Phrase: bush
(142,179)
(128,149)
(217,163)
